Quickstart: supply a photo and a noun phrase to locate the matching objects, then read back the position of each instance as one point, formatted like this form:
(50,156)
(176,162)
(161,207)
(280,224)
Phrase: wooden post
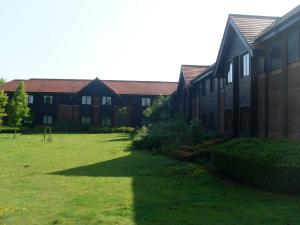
(45,134)
(50,132)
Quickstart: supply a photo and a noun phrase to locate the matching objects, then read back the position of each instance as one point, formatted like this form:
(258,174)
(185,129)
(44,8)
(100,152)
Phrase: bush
(167,135)
(268,163)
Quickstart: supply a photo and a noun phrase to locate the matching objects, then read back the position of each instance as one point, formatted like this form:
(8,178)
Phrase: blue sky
(116,39)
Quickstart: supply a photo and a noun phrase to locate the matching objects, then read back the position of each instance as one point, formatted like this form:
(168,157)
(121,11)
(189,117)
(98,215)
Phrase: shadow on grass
(168,200)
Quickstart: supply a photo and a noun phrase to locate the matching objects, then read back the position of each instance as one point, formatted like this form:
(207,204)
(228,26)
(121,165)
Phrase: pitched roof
(280,21)
(190,72)
(72,86)
(206,72)
(251,26)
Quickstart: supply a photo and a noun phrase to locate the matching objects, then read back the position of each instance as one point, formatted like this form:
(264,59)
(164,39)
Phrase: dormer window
(229,73)
(86,100)
(106,100)
(146,101)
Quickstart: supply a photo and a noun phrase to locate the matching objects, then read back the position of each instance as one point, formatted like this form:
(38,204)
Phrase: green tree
(3,103)
(158,109)
(18,108)
(2,81)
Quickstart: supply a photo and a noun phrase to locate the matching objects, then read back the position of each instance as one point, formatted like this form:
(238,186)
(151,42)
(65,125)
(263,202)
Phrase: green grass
(95,179)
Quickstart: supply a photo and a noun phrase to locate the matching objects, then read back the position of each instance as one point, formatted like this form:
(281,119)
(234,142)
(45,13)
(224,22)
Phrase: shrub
(268,163)
(167,135)
(158,107)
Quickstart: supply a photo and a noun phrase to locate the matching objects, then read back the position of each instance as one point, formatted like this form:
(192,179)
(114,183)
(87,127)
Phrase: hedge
(268,163)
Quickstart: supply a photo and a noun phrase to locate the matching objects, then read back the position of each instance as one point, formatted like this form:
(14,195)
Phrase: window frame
(86,100)
(30,99)
(47,119)
(86,120)
(105,101)
(245,55)
(50,97)
(229,69)
(104,121)
(146,102)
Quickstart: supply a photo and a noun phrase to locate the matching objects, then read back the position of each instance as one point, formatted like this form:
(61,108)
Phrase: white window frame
(47,120)
(30,99)
(106,100)
(86,119)
(86,100)
(146,101)
(50,101)
(246,65)
(106,121)
(229,74)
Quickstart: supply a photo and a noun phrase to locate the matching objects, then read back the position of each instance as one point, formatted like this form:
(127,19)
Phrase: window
(106,121)
(146,101)
(228,119)
(30,99)
(106,100)
(212,121)
(86,119)
(246,65)
(212,85)
(48,99)
(47,120)
(293,46)
(244,118)
(203,87)
(275,59)
(86,100)
(229,73)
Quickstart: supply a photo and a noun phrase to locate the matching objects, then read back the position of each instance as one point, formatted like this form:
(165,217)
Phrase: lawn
(96,179)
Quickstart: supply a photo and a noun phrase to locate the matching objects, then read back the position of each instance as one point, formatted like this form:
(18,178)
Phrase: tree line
(15,109)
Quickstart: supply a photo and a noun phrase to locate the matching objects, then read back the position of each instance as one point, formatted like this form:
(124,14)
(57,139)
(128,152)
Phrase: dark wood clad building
(99,102)
(256,77)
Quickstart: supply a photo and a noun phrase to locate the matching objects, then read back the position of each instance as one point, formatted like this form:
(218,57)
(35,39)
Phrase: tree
(18,108)
(2,81)
(3,103)
(157,110)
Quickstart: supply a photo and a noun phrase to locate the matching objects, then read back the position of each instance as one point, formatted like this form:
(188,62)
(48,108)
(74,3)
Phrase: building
(183,96)
(98,102)
(253,89)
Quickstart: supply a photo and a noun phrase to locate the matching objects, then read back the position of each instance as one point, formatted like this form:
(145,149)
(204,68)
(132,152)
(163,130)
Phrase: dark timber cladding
(256,78)
(183,94)
(100,102)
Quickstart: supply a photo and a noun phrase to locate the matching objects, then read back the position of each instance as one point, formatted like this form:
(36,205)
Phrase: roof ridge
(254,16)
(61,79)
(198,66)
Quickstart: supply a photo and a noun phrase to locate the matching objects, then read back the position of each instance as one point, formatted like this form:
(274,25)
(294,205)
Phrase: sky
(116,39)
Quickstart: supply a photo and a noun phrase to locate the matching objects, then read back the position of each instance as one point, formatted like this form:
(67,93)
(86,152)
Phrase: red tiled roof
(190,72)
(73,86)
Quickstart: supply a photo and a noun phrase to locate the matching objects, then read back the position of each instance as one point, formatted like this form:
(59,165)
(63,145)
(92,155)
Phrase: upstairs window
(203,87)
(86,119)
(47,120)
(146,101)
(48,99)
(106,100)
(212,84)
(30,99)
(246,65)
(106,121)
(293,46)
(275,59)
(86,100)
(229,74)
